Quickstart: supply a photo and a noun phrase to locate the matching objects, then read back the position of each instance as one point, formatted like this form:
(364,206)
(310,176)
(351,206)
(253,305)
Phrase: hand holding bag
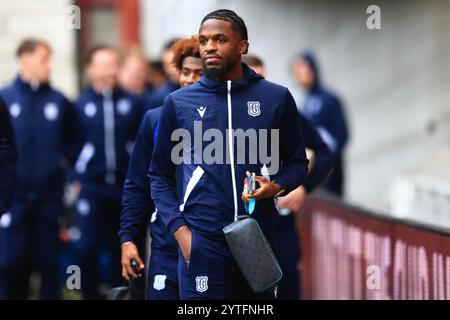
(252,251)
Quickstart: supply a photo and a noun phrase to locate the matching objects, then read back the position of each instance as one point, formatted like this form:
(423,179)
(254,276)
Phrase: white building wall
(43,19)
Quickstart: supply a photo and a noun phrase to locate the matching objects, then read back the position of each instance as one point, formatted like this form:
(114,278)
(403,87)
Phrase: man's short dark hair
(157,66)
(252,60)
(96,49)
(29,45)
(228,15)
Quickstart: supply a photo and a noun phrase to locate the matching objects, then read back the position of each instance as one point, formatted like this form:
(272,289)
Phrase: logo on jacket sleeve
(90,109)
(201,111)
(123,106)
(159,282)
(201,283)
(254,108)
(51,111)
(15,110)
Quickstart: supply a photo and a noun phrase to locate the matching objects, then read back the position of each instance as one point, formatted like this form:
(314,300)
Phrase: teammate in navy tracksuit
(133,78)
(8,158)
(109,119)
(137,204)
(196,208)
(325,112)
(45,130)
(286,241)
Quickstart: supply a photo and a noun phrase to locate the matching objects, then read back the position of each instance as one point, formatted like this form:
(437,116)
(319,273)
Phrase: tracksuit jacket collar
(26,86)
(250,77)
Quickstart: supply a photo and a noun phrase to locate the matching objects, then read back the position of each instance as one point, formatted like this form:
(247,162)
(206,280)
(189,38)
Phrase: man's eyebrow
(216,35)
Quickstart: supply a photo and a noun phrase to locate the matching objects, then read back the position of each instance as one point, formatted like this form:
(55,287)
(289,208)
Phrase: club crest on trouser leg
(254,108)
(159,282)
(201,283)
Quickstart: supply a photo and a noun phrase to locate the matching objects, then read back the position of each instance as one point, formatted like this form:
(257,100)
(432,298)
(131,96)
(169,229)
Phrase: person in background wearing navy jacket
(8,159)
(109,119)
(172,73)
(198,205)
(133,76)
(286,240)
(325,112)
(45,130)
(136,201)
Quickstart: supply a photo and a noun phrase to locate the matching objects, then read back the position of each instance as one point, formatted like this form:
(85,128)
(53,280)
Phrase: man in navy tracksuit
(45,130)
(8,158)
(109,119)
(133,78)
(325,112)
(195,208)
(136,201)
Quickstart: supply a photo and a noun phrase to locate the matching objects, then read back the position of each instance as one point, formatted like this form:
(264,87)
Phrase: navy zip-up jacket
(206,195)
(325,112)
(44,124)
(136,202)
(8,158)
(108,126)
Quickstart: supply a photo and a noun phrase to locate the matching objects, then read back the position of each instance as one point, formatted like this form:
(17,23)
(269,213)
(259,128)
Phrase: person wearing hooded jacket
(324,110)
(196,207)
(136,201)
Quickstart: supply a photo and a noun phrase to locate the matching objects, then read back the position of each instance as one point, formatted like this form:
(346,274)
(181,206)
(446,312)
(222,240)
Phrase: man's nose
(210,46)
(190,79)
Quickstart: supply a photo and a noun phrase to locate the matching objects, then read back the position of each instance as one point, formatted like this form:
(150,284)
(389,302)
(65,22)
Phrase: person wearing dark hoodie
(286,241)
(196,199)
(172,73)
(109,119)
(136,202)
(46,140)
(325,112)
(8,159)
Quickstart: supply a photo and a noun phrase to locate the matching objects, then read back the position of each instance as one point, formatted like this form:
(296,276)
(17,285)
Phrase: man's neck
(235,74)
(27,78)
(101,89)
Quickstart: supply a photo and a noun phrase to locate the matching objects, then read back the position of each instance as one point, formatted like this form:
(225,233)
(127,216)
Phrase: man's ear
(244,47)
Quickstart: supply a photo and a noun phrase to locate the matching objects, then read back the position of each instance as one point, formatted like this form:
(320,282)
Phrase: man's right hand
(130,252)
(184,237)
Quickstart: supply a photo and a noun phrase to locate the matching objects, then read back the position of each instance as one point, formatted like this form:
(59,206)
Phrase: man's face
(37,64)
(220,46)
(303,74)
(103,69)
(191,71)
(133,74)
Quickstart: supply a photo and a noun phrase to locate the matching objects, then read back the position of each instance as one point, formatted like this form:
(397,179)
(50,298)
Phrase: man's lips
(212,58)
